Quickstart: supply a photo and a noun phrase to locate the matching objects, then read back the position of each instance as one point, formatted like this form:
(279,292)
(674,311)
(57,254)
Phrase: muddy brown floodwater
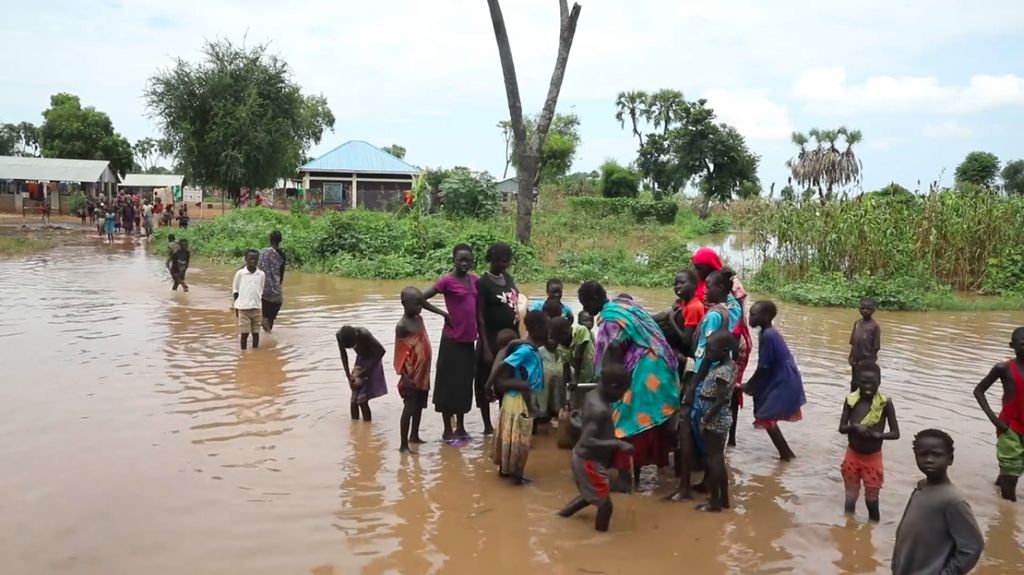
(135,438)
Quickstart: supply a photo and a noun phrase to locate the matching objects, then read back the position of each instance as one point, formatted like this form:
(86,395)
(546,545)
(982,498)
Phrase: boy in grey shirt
(938,534)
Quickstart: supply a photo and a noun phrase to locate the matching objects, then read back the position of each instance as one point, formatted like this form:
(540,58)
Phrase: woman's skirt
(650,447)
(511,444)
(456,369)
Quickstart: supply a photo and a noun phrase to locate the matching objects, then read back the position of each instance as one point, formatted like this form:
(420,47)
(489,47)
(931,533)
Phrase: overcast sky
(926,81)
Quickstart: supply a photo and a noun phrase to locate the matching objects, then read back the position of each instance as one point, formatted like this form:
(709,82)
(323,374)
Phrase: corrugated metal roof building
(151,181)
(25,183)
(358,174)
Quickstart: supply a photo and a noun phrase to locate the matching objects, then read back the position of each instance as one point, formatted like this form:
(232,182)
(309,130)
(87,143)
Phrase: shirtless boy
(1010,421)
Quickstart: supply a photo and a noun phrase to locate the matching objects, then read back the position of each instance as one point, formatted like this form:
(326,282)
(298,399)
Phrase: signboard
(193,195)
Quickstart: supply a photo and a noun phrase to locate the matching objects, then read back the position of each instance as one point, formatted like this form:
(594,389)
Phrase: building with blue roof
(357,175)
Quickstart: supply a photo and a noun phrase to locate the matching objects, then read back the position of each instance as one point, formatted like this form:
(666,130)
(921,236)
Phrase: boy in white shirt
(247,290)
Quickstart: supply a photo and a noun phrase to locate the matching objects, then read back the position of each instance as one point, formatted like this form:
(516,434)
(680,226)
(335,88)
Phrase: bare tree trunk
(527,152)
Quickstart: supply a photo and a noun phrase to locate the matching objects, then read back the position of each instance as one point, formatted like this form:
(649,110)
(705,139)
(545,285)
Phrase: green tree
(714,156)
(528,148)
(559,151)
(236,119)
(71,131)
(146,152)
(632,105)
(618,181)
(20,139)
(826,167)
(1013,177)
(978,168)
(395,150)
(464,194)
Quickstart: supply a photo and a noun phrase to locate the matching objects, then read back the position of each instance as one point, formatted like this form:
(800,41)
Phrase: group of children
(529,376)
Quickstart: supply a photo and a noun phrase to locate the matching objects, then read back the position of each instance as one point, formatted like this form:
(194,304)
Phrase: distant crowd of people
(132,215)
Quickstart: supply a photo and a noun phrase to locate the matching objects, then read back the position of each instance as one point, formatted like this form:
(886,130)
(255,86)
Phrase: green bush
(618,181)
(663,212)
(466,195)
(77,204)
(298,207)
(642,211)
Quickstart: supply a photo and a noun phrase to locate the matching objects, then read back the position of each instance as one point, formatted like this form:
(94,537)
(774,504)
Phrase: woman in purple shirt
(456,356)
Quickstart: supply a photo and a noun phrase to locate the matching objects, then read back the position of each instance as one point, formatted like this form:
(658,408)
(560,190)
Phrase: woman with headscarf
(629,335)
(706,260)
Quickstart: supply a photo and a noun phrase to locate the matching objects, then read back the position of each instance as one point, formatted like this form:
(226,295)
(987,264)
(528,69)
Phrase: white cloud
(947,130)
(752,113)
(828,90)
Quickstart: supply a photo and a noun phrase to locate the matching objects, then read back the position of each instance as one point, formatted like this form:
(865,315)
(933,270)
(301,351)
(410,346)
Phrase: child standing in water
(865,340)
(554,356)
(938,532)
(711,406)
(177,263)
(594,452)
(366,379)
(777,387)
(247,293)
(412,364)
(518,374)
(1009,423)
(109,220)
(456,356)
(865,415)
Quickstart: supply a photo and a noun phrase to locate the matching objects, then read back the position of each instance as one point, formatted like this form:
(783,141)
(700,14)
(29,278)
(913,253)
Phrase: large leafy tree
(20,139)
(632,105)
(71,131)
(712,155)
(829,165)
(559,151)
(527,148)
(236,119)
(1013,177)
(978,168)
(664,108)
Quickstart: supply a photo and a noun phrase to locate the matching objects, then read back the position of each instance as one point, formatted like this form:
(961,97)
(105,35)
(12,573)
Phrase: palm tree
(664,108)
(632,105)
(826,167)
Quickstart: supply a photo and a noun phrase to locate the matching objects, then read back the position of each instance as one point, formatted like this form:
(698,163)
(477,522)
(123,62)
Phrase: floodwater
(135,438)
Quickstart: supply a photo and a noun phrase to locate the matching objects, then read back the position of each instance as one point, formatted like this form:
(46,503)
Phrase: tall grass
(959,240)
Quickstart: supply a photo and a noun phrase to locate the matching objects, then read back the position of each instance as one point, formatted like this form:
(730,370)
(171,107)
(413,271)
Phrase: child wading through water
(938,533)
(594,452)
(712,405)
(247,291)
(777,387)
(865,339)
(518,375)
(366,379)
(685,318)
(497,310)
(1010,421)
(865,414)
(178,258)
(272,262)
(109,222)
(553,290)
(456,356)
(412,364)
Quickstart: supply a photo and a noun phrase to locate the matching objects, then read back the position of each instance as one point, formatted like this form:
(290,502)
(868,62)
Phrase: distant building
(151,185)
(25,183)
(357,174)
(508,188)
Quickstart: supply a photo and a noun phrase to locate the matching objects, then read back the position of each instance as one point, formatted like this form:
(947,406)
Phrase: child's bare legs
(1008,486)
(407,415)
(365,408)
(575,506)
(460,425)
(447,434)
(414,434)
(852,485)
(683,463)
(714,475)
(244,340)
(255,335)
(354,409)
(785,453)
(871,502)
(604,515)
(485,415)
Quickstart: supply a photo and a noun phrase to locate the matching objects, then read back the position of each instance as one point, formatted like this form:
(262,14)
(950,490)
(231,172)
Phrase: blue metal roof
(360,157)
